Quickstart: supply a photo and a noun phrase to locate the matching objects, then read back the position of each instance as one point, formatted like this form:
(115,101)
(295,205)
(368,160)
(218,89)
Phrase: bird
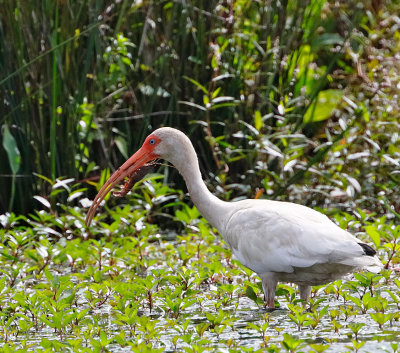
(280,241)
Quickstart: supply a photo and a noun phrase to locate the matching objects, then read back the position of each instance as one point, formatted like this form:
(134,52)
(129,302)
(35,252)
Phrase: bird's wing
(271,236)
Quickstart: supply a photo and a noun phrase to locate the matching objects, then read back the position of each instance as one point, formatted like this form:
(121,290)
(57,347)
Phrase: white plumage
(280,241)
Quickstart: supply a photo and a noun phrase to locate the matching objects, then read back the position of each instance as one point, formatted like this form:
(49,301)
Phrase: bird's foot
(270,305)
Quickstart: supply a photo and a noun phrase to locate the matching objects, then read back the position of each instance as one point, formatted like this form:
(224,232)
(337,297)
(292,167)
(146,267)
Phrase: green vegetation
(254,83)
(127,285)
(298,100)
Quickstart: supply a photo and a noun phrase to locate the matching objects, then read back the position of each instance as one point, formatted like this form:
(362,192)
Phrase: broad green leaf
(323,106)
(121,144)
(44,319)
(46,343)
(103,338)
(10,145)
(23,325)
(251,294)
(67,319)
(323,311)
(97,276)
(374,235)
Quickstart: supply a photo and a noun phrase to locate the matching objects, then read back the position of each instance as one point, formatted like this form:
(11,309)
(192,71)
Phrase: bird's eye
(152,142)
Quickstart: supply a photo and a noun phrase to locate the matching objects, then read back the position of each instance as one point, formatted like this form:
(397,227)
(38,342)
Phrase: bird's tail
(365,262)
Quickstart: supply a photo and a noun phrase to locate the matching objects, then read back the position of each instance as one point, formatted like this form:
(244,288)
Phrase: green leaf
(57,320)
(67,319)
(46,343)
(97,276)
(197,84)
(121,144)
(253,326)
(326,39)
(32,254)
(51,182)
(215,93)
(201,328)
(258,123)
(10,145)
(374,235)
(44,319)
(355,300)
(48,274)
(251,294)
(82,313)
(23,325)
(323,311)
(105,175)
(206,101)
(323,106)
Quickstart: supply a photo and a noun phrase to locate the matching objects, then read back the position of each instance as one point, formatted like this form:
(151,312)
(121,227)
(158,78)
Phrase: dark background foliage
(299,98)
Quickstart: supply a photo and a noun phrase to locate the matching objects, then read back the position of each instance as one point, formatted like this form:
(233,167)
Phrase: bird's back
(283,237)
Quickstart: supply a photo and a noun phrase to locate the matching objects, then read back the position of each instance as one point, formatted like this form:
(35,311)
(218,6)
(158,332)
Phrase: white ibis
(280,241)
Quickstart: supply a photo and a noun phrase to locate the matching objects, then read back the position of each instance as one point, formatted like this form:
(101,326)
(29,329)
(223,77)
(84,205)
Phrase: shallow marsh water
(131,288)
(244,337)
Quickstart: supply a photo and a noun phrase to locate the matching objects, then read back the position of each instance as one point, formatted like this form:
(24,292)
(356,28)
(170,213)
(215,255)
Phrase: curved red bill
(142,156)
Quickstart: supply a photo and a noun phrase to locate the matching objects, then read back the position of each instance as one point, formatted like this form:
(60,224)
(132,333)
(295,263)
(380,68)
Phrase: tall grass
(83,82)
(43,80)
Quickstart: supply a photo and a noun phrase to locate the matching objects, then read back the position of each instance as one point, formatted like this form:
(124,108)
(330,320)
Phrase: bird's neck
(214,210)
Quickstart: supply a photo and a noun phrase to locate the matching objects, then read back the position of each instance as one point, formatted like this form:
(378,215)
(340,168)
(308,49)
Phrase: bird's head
(166,143)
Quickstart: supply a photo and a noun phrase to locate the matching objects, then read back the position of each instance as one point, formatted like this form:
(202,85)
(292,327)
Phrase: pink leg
(305,292)
(271,303)
(269,286)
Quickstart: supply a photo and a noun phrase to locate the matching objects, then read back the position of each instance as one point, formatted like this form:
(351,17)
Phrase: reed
(83,82)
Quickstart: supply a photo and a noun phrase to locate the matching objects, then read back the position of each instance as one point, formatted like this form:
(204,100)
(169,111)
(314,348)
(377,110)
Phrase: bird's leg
(271,303)
(269,286)
(305,292)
